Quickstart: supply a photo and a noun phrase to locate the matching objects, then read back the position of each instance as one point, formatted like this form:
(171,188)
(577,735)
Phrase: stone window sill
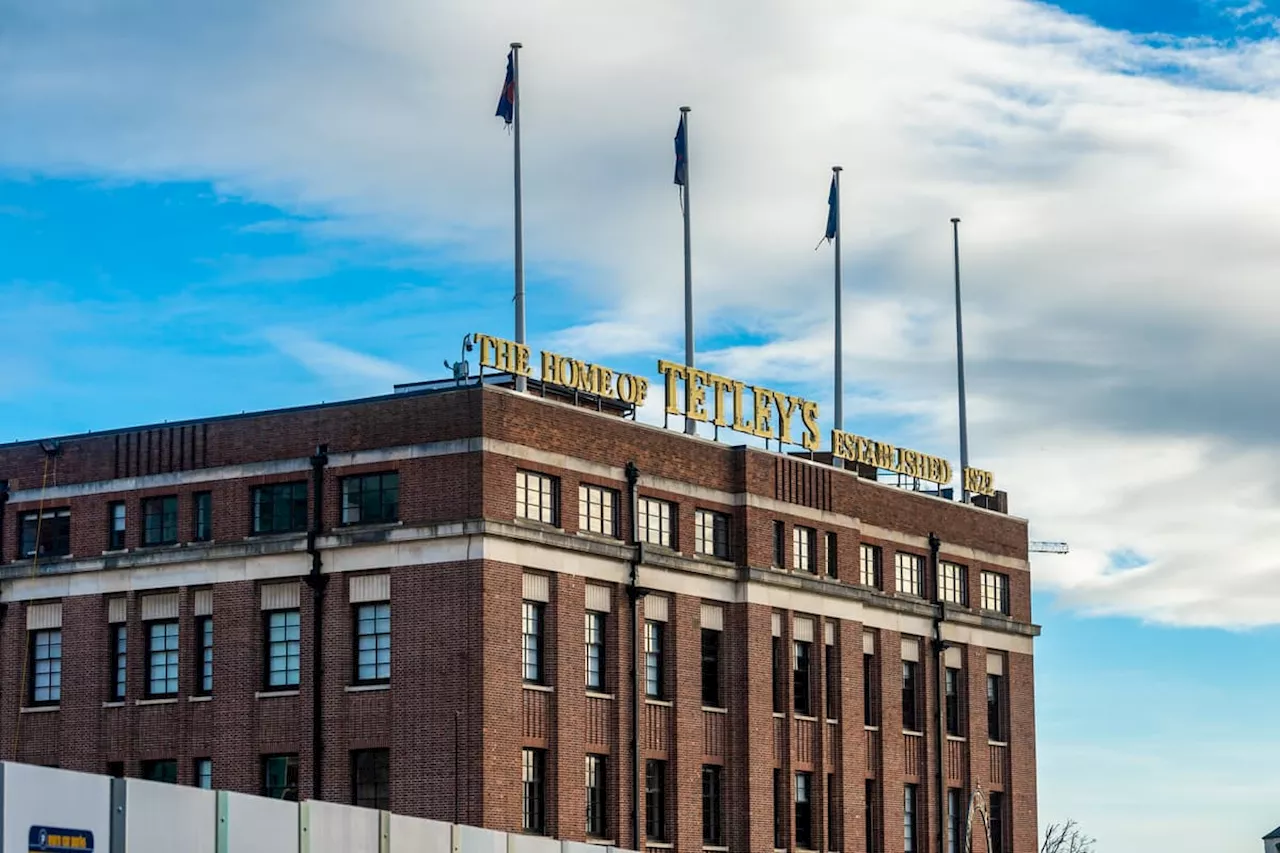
(592,694)
(199,698)
(366,688)
(662,703)
(711,710)
(168,700)
(113,704)
(540,688)
(274,694)
(41,709)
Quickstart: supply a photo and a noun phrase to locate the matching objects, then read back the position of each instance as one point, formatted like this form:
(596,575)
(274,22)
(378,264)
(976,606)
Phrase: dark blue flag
(682,154)
(507,101)
(833,211)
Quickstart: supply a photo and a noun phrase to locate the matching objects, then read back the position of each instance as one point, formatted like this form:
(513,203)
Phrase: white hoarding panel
(259,825)
(54,810)
(481,840)
(582,847)
(531,844)
(333,828)
(160,818)
(416,835)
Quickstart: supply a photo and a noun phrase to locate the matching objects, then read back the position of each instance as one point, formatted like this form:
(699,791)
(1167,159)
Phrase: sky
(214,208)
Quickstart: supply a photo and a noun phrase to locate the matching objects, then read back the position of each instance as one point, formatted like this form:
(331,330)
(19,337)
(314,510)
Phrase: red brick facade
(457,555)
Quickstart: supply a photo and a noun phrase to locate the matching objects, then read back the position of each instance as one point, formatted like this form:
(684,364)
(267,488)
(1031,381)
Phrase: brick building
(793,657)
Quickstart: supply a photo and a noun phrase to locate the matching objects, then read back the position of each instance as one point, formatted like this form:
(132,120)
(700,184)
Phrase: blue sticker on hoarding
(51,839)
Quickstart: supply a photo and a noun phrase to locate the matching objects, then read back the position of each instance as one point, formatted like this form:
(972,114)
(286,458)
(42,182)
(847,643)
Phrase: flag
(682,154)
(507,101)
(833,211)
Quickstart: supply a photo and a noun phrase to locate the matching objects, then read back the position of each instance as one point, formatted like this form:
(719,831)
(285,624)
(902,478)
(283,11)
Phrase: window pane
(46,667)
(204,773)
(653,659)
(283,648)
(371,778)
(533,778)
(595,650)
(713,805)
(370,499)
(655,800)
(656,522)
(280,777)
(162,658)
(596,787)
(869,565)
(711,697)
(531,638)
(373,642)
(536,497)
(909,568)
(801,667)
(953,584)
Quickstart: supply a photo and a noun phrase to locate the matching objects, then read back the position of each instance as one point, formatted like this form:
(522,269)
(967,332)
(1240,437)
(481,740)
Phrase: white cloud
(343,369)
(1118,248)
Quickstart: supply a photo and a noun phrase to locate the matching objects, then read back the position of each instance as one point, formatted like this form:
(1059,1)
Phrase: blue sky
(206,210)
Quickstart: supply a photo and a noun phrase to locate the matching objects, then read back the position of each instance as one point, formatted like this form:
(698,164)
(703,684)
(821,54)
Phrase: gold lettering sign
(751,409)
(979,482)
(511,357)
(880,454)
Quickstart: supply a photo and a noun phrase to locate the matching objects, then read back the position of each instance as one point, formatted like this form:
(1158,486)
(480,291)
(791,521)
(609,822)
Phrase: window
(119,662)
(202,509)
(533,777)
(531,642)
(779,811)
(711,533)
(280,777)
(952,678)
(282,507)
(910,696)
(370,499)
(204,773)
(596,781)
(804,811)
(537,497)
(870,693)
(160,520)
(712,805)
(46,667)
(371,778)
(869,565)
(165,770)
(653,659)
(995,592)
(711,697)
(831,670)
(910,568)
(954,584)
(657,522)
(204,663)
(779,693)
(832,555)
(801,669)
(162,658)
(115,526)
(998,819)
(909,819)
(779,545)
(995,708)
(283,643)
(595,650)
(803,541)
(373,643)
(45,534)
(833,817)
(955,835)
(655,800)
(872,817)
(598,510)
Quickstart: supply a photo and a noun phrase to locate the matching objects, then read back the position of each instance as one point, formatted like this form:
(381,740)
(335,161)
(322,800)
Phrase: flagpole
(690,427)
(519,223)
(964,423)
(839,355)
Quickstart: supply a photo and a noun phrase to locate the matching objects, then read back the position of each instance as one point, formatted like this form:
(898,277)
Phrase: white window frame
(536,497)
(995,592)
(870,559)
(909,574)
(597,510)
(803,543)
(657,522)
(708,523)
(953,583)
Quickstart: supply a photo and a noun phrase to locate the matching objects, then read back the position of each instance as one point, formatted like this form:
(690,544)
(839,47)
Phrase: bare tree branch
(1066,837)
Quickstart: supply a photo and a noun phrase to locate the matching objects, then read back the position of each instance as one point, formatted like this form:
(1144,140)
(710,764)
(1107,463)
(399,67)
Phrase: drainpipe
(318,583)
(4,499)
(635,594)
(940,647)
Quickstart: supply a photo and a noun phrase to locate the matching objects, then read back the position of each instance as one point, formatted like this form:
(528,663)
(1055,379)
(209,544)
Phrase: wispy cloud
(343,369)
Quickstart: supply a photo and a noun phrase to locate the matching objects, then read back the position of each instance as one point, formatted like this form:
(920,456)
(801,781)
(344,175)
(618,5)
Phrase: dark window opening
(870,691)
(655,800)
(280,777)
(202,509)
(995,708)
(204,662)
(165,770)
(371,778)
(534,790)
(45,534)
(115,526)
(953,701)
(119,662)
(804,811)
(801,672)
(910,696)
(779,545)
(711,697)
(280,508)
(160,520)
(371,499)
(712,805)
(831,670)
(597,823)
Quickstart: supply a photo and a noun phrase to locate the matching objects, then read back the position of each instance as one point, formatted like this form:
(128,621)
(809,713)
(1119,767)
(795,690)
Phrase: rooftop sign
(708,397)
